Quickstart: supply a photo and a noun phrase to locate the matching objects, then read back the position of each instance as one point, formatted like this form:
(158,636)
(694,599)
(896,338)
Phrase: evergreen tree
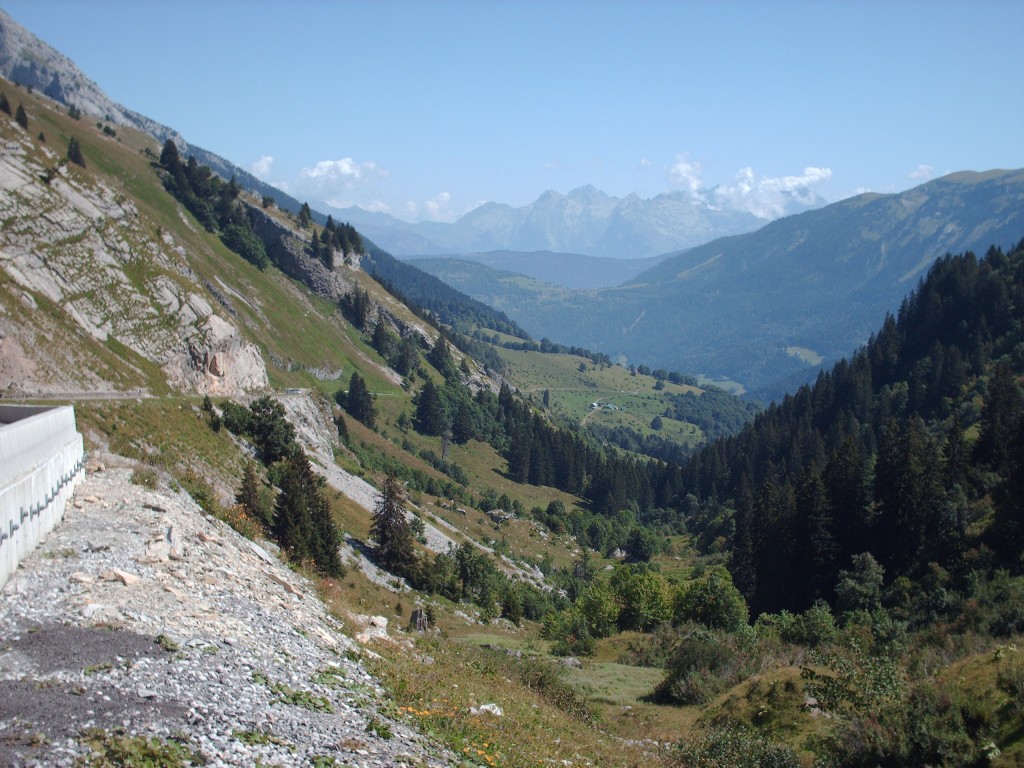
(382,340)
(1001,419)
(5,105)
(462,424)
(355,306)
(21,117)
(169,157)
(430,417)
(391,531)
(302,521)
(273,434)
(358,401)
(305,216)
(248,495)
(75,152)
(440,357)
(405,357)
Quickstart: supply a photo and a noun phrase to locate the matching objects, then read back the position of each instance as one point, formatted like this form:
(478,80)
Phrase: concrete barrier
(42,459)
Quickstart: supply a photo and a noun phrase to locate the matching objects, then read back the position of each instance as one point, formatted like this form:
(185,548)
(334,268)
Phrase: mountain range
(585,221)
(761,307)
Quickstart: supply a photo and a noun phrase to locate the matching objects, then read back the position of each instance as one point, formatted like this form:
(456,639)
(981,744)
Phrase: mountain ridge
(820,280)
(585,220)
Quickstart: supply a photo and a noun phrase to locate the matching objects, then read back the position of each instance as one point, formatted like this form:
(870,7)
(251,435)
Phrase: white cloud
(345,172)
(376,206)
(644,163)
(686,174)
(261,168)
(923,172)
(437,209)
(769,197)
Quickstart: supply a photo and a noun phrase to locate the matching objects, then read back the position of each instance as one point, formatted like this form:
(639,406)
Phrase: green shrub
(733,746)
(694,672)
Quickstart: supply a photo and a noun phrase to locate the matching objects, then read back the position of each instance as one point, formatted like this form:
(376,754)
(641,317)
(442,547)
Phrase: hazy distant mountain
(586,221)
(569,270)
(758,307)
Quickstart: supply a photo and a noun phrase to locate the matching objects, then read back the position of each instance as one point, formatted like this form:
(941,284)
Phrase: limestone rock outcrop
(72,244)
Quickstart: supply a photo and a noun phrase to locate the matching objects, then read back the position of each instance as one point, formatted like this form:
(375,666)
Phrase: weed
(94,669)
(328,679)
(381,729)
(145,476)
(253,738)
(167,643)
(109,750)
(305,699)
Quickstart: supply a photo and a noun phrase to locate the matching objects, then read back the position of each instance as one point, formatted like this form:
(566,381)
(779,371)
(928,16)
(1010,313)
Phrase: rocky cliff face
(72,244)
(289,253)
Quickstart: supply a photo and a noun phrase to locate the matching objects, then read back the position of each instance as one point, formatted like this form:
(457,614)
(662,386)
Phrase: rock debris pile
(139,615)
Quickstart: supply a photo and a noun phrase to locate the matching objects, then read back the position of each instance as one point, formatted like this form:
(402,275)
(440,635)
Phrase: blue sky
(427,109)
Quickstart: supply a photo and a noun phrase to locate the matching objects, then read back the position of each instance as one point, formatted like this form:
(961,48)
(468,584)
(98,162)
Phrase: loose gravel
(140,615)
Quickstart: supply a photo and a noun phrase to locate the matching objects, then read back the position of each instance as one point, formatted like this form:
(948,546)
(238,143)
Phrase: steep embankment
(218,645)
(77,248)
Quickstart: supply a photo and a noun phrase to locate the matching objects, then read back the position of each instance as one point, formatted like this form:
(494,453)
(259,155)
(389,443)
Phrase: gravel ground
(141,615)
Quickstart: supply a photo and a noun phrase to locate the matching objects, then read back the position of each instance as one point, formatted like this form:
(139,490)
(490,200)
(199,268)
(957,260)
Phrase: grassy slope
(624,399)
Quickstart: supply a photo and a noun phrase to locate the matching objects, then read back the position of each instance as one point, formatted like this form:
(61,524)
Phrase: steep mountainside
(889,452)
(72,244)
(765,305)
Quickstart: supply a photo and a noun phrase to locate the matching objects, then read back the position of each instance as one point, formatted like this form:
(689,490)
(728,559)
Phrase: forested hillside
(911,451)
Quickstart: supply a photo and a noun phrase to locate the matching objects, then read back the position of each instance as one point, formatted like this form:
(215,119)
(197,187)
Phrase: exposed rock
(418,620)
(80,245)
(291,255)
(116,574)
(217,361)
(490,709)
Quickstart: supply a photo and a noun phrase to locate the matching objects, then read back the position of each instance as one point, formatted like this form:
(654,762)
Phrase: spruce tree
(359,402)
(391,531)
(5,105)
(429,419)
(302,522)
(169,157)
(21,117)
(75,152)
(248,495)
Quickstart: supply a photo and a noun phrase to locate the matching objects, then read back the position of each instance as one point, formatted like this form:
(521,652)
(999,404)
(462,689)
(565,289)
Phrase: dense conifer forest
(912,450)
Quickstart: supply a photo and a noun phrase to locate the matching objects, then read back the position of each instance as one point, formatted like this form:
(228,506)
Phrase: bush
(733,746)
(694,670)
(714,602)
(813,627)
(236,418)
(243,241)
(569,631)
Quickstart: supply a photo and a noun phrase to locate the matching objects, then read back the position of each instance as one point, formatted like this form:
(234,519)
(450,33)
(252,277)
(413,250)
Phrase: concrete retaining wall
(42,459)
